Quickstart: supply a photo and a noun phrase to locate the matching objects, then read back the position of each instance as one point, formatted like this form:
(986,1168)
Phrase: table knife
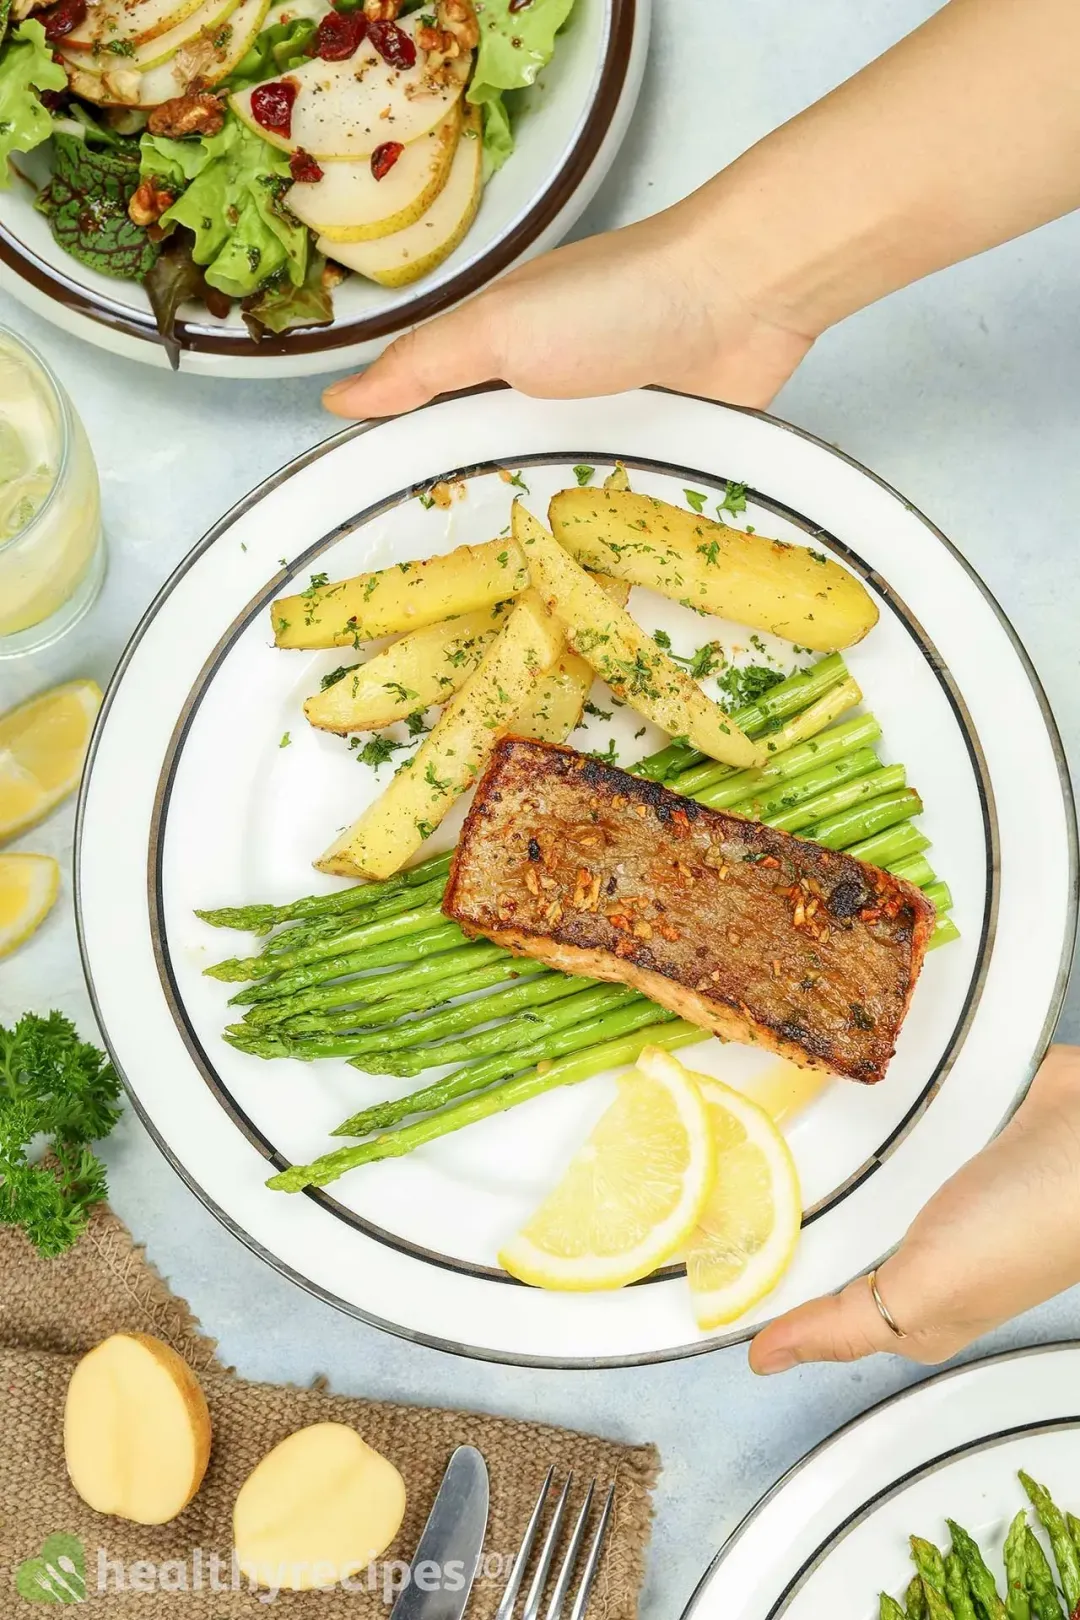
(444,1566)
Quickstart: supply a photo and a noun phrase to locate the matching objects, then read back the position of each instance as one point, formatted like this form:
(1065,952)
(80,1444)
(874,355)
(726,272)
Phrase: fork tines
(546,1556)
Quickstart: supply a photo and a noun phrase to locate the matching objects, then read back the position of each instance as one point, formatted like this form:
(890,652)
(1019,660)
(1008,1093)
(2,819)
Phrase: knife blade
(448,1553)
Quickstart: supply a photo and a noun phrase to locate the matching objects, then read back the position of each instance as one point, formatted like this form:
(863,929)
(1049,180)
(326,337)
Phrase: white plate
(190,801)
(834,1532)
(571,124)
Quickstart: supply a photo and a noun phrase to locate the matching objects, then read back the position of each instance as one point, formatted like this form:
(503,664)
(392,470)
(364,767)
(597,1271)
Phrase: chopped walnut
(333,275)
(382,10)
(197,113)
(456,33)
(148,203)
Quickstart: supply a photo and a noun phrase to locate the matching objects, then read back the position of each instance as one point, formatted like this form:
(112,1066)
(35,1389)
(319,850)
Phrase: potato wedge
(406,596)
(558,703)
(425,667)
(455,751)
(623,655)
(767,584)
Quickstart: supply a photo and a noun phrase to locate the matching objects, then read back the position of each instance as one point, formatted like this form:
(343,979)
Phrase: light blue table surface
(963,392)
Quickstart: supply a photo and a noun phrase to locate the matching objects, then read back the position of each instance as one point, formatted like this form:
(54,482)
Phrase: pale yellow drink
(51,555)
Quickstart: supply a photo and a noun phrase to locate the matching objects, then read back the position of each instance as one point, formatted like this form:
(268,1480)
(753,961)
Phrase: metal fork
(565,1576)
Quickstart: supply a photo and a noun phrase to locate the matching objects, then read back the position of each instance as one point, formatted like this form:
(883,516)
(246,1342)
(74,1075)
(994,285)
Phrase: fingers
(451,352)
(839,1327)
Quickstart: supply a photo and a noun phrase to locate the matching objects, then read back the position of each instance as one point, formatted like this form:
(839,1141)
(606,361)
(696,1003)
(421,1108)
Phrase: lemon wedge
(748,1230)
(29,885)
(43,745)
(631,1195)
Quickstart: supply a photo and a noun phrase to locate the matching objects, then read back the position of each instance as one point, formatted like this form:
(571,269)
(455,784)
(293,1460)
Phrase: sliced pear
(114,23)
(207,58)
(210,14)
(344,110)
(396,260)
(349,205)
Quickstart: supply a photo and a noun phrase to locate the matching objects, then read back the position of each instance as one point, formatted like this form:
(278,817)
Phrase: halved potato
(344,110)
(349,205)
(209,14)
(404,596)
(395,261)
(423,668)
(206,58)
(555,708)
(631,663)
(767,584)
(454,753)
(128,22)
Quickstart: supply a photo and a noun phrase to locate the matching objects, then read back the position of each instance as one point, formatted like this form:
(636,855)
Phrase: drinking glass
(52,554)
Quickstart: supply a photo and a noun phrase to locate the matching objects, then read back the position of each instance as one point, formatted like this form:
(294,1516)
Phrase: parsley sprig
(57,1087)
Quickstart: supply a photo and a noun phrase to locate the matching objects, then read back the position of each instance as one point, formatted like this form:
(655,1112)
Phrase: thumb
(451,352)
(839,1327)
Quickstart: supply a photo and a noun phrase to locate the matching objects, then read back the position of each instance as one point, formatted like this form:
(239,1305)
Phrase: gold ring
(883,1310)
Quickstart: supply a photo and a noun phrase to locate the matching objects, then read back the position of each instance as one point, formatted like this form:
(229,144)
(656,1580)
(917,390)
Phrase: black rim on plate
(252,499)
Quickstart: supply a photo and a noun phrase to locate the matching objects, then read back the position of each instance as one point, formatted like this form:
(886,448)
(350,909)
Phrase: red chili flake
(339,35)
(384,157)
(60,19)
(393,44)
(304,169)
(272,105)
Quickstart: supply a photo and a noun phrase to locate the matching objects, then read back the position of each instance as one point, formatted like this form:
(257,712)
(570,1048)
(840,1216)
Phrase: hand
(1001,1236)
(640,305)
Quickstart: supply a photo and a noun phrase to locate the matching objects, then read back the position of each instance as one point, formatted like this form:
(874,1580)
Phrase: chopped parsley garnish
(426,501)
(695,498)
(734,500)
(424,828)
(584,473)
(285,740)
(440,785)
(710,551)
(606,756)
(817,556)
(515,479)
(334,676)
(662,639)
(315,584)
(600,714)
(404,694)
(742,687)
(376,751)
(416,723)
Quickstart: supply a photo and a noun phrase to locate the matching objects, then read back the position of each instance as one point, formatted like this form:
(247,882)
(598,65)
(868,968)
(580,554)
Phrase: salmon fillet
(754,934)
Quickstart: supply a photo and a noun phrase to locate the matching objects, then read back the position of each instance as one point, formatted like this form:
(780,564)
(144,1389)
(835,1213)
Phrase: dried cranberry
(60,19)
(304,169)
(339,35)
(393,44)
(384,157)
(272,105)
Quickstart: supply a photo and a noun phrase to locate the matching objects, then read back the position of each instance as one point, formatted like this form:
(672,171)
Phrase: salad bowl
(568,127)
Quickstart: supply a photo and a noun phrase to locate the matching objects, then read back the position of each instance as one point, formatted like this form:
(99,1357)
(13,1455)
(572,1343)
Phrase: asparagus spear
(427,975)
(1017,1602)
(1053,1522)
(915,1600)
(937,1607)
(396,923)
(889,1609)
(567,1072)
(436,936)
(799,729)
(929,1564)
(258,918)
(1039,1579)
(983,1587)
(423,998)
(787,697)
(945,931)
(957,1591)
(837,747)
(939,896)
(915,869)
(891,844)
(863,820)
(844,796)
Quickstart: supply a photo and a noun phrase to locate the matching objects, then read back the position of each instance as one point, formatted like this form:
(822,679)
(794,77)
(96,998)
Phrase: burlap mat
(51,1311)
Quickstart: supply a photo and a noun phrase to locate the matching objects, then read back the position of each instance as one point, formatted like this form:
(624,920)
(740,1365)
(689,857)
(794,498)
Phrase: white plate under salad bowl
(568,129)
(833,1533)
(190,801)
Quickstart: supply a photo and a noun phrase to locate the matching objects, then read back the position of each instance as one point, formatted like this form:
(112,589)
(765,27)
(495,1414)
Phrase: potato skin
(791,591)
(192,1393)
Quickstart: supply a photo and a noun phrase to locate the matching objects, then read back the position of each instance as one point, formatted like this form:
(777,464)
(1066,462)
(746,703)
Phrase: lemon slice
(630,1196)
(43,745)
(29,884)
(748,1229)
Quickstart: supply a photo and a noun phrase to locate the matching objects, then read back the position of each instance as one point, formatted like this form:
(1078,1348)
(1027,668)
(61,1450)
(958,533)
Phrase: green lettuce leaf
(234,182)
(276,50)
(281,306)
(86,202)
(26,66)
(514,46)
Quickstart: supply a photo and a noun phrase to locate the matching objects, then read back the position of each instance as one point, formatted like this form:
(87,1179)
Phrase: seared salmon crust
(754,934)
